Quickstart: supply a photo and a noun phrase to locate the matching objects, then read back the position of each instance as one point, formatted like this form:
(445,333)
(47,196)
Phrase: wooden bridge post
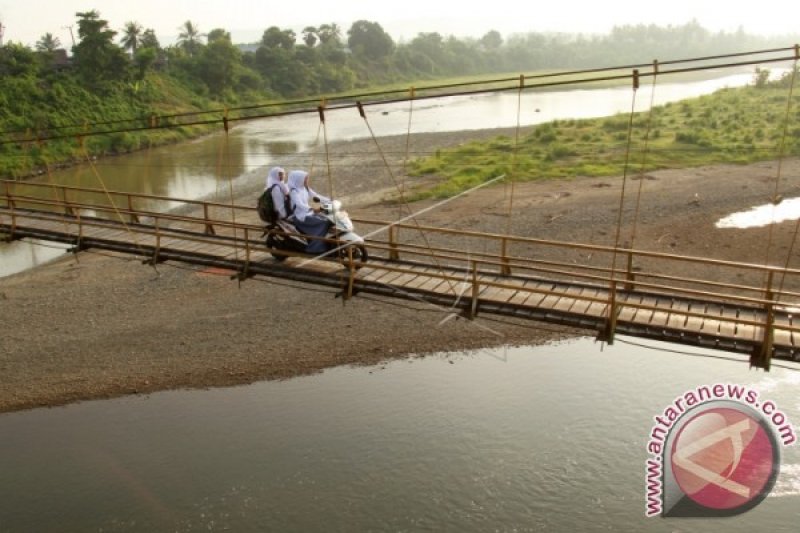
(11,206)
(67,208)
(209,226)
(134,216)
(394,255)
(352,273)
(473,310)
(158,241)
(246,272)
(630,277)
(611,322)
(762,354)
(505,270)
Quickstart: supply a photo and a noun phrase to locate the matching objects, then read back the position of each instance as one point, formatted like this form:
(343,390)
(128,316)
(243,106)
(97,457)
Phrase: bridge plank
(746,331)
(645,316)
(727,328)
(660,317)
(535,299)
(694,324)
(711,323)
(403,279)
(387,277)
(625,313)
(582,305)
(677,319)
(549,301)
(430,284)
(597,309)
(522,294)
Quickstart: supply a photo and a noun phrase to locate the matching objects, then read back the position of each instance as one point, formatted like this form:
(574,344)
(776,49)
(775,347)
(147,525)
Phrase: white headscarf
(298,192)
(274,179)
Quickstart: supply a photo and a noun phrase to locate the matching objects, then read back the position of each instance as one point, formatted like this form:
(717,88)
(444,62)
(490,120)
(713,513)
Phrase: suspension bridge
(523,277)
(606,289)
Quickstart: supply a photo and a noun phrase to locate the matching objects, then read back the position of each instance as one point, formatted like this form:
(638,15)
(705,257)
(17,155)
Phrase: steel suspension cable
(624,176)
(128,229)
(514,154)
(780,166)
(403,200)
(644,155)
(408,144)
(227,173)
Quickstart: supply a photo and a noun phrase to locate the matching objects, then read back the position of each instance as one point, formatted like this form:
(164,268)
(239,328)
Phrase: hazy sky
(27,20)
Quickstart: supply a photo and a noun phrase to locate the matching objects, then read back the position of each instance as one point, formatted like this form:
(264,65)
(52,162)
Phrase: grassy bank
(736,126)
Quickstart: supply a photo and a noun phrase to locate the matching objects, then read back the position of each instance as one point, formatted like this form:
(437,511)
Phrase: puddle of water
(763,215)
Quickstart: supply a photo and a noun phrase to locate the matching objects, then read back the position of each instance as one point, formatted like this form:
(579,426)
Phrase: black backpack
(266,206)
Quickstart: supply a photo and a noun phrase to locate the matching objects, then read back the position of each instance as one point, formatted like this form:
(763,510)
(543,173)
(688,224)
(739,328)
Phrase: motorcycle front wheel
(359,253)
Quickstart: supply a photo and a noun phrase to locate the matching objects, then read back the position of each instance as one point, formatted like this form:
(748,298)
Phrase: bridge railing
(505,254)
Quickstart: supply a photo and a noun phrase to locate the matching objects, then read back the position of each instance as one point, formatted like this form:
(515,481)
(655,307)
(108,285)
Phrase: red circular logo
(723,458)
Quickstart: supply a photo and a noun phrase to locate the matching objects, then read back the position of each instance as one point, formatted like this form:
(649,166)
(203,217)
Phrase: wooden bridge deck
(763,326)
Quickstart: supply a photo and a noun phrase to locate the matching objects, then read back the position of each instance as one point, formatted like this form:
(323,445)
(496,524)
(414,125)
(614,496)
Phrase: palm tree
(132,36)
(189,37)
(48,43)
(310,36)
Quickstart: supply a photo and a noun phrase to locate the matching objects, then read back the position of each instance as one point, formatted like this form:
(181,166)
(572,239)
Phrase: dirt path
(100,326)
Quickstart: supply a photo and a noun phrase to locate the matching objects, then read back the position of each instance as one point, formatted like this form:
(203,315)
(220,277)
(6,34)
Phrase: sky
(26,21)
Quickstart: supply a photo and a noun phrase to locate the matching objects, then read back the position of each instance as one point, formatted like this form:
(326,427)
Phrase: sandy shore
(96,325)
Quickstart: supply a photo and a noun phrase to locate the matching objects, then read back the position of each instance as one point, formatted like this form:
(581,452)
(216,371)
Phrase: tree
(492,40)
(329,33)
(189,37)
(368,39)
(48,43)
(217,64)
(96,57)
(149,40)
(131,37)
(310,36)
(274,37)
(218,34)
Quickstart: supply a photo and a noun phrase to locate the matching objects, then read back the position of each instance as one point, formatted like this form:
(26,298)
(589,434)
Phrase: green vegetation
(120,80)
(735,126)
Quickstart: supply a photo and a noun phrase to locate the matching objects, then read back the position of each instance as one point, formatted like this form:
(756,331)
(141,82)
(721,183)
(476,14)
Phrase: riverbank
(96,326)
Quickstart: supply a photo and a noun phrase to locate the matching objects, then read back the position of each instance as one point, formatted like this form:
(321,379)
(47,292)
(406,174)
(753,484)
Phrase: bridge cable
(133,234)
(411,94)
(643,166)
(514,154)
(52,182)
(226,171)
(403,200)
(780,163)
(331,193)
(624,176)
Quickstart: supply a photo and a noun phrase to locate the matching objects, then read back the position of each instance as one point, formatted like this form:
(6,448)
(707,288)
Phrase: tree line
(326,59)
(120,74)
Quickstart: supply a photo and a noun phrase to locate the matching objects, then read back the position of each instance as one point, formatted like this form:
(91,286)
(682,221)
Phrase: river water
(550,438)
(204,166)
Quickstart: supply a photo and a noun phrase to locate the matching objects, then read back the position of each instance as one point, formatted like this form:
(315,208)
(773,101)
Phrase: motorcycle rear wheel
(273,243)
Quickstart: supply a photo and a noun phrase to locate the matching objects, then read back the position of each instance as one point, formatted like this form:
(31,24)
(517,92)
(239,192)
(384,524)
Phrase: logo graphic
(715,452)
(724,459)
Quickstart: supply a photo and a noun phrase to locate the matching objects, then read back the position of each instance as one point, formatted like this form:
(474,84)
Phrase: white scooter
(284,236)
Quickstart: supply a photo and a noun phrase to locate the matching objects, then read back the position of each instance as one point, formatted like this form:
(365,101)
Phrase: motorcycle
(284,236)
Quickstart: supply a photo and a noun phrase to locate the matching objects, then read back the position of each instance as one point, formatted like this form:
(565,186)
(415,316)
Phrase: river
(550,438)
(197,168)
